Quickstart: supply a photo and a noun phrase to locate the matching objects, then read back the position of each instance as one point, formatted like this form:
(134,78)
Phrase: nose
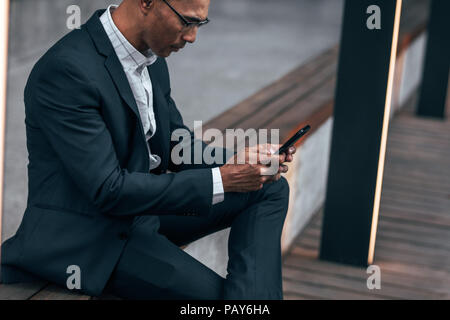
(190,35)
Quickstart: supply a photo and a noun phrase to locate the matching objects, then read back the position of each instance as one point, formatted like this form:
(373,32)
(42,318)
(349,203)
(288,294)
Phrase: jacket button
(123,236)
(190,214)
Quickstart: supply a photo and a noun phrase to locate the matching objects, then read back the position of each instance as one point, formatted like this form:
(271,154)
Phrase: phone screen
(293,139)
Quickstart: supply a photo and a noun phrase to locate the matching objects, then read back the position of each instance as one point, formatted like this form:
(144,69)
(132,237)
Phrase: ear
(146,5)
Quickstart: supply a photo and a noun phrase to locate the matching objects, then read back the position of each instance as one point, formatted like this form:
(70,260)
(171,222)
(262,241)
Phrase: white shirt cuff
(218,193)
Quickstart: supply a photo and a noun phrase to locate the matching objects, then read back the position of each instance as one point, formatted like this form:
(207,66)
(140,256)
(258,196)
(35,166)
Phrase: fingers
(268,148)
(268,160)
(291,150)
(249,177)
(264,154)
(289,156)
(269,170)
(283,169)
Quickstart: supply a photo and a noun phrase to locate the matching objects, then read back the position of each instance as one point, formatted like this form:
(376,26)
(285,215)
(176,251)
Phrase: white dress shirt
(135,65)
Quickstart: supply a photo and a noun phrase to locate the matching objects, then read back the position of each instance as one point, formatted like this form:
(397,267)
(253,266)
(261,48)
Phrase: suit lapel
(119,77)
(112,63)
(159,143)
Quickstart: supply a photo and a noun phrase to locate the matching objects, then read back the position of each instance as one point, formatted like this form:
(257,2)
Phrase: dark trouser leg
(254,249)
(152,267)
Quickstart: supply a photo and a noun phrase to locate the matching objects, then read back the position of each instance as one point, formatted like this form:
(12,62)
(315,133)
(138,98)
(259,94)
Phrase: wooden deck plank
(325,291)
(302,91)
(247,108)
(403,225)
(434,259)
(386,236)
(296,296)
(391,276)
(20,291)
(416,200)
(358,285)
(54,292)
(437,258)
(413,238)
(387,233)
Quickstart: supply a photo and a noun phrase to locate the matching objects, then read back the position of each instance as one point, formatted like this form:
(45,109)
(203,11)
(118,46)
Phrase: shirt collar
(129,57)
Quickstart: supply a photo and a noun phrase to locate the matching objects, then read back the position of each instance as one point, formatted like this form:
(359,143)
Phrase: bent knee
(280,188)
(283,186)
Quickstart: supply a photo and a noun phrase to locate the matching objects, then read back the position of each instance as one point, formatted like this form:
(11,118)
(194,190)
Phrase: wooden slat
(304,111)
(392,277)
(20,291)
(436,259)
(357,283)
(297,296)
(409,235)
(54,292)
(302,91)
(323,291)
(413,238)
(244,110)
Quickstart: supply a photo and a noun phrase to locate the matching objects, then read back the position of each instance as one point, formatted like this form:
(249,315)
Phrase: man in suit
(104,193)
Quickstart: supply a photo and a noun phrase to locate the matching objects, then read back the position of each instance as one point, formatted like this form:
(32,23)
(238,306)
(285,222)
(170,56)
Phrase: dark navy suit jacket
(89,166)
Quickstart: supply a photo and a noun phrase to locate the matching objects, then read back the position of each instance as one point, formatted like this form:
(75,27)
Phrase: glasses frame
(187,24)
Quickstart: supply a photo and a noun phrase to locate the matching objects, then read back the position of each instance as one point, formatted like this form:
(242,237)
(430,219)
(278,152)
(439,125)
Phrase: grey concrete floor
(248,45)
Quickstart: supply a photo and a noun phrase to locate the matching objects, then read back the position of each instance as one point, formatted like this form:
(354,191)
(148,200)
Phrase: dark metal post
(361,119)
(433,93)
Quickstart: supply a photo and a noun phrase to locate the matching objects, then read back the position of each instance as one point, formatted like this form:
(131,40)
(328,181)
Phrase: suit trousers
(153,266)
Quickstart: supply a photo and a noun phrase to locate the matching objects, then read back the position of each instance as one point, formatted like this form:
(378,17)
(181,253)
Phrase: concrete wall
(413,68)
(409,69)
(308,179)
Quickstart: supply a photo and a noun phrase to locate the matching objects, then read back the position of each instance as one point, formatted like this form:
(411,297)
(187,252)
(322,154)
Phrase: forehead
(192,8)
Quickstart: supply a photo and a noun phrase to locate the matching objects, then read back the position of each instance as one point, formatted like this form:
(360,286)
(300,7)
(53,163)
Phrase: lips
(178,47)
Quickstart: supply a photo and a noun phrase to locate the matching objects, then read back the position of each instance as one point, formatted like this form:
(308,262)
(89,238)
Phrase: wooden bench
(303,96)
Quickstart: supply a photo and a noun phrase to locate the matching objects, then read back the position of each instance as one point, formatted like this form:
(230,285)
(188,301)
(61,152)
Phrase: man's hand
(284,157)
(248,170)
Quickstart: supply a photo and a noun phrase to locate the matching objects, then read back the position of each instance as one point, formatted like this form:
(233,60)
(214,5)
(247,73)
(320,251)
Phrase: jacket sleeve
(67,108)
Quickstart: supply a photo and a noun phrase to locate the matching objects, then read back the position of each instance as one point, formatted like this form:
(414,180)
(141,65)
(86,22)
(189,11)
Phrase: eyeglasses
(188,24)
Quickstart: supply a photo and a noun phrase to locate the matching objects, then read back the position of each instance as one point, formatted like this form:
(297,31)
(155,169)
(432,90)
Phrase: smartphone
(285,147)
